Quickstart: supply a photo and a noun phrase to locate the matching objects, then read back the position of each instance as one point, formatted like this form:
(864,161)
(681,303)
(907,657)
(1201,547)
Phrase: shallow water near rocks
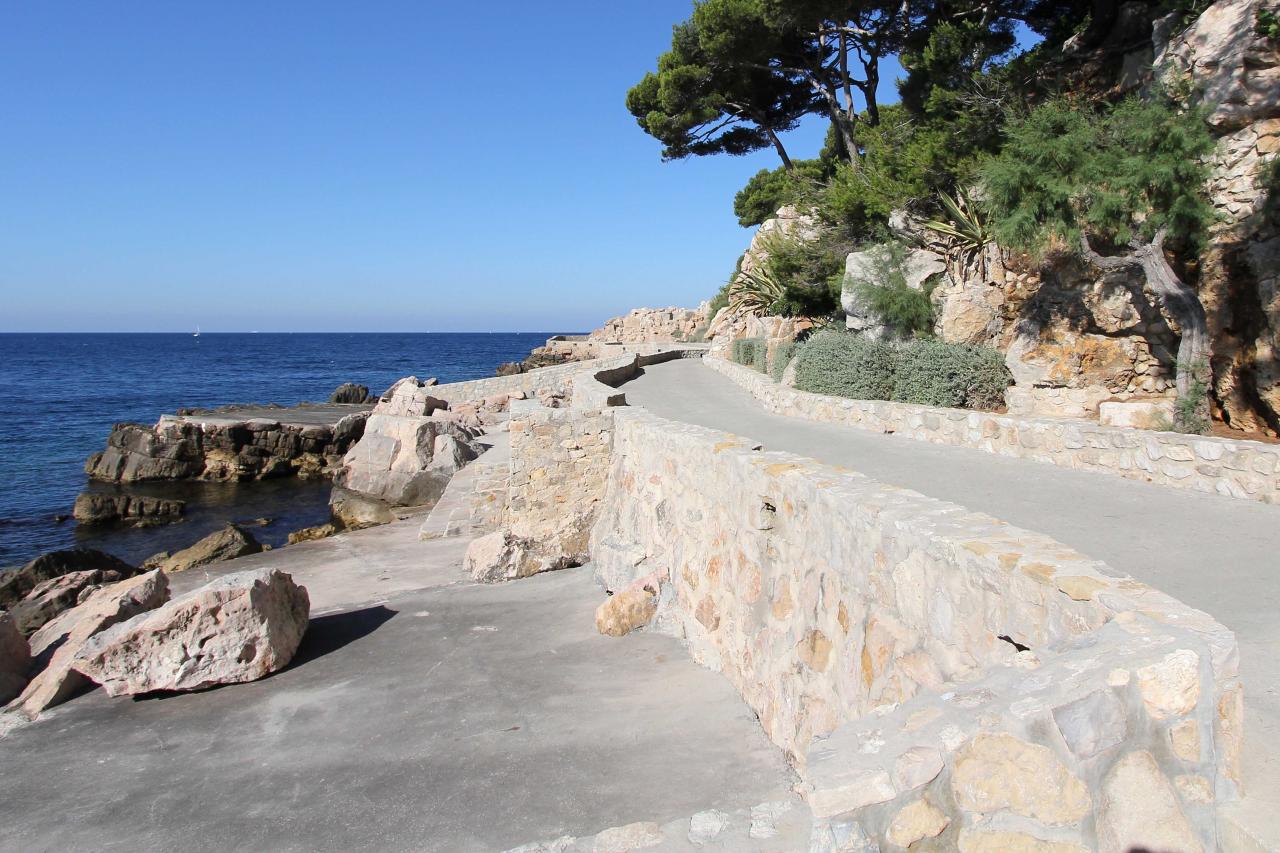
(60,394)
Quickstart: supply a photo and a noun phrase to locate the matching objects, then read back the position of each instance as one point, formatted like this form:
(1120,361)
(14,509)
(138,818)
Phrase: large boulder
(140,510)
(349,392)
(15,585)
(624,612)
(503,556)
(56,595)
(15,659)
(406,457)
(237,628)
(355,511)
(226,544)
(58,681)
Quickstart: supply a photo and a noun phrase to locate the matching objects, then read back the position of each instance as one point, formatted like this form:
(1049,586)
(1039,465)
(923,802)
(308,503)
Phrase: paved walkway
(455,717)
(1217,554)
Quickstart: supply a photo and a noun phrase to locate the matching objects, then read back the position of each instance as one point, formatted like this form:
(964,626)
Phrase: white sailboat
(197,332)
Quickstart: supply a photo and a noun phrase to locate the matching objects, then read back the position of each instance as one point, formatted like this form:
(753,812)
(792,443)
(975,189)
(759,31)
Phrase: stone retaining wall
(1239,469)
(877,634)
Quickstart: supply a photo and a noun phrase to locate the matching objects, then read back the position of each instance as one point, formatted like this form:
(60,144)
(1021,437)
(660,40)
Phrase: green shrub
(926,371)
(933,373)
(845,365)
(751,352)
(781,358)
(887,295)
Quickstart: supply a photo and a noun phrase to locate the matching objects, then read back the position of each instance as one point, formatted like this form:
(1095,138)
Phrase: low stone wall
(1239,469)
(934,672)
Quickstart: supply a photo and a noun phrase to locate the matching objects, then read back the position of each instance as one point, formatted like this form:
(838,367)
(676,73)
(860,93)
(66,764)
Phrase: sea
(60,394)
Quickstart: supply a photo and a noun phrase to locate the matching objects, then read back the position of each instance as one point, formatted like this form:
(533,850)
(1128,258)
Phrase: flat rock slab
(462,718)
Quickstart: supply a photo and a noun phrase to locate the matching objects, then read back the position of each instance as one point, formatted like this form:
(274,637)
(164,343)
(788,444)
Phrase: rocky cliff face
(1075,336)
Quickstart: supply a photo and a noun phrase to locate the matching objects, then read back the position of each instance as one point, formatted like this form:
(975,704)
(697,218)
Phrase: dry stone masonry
(938,677)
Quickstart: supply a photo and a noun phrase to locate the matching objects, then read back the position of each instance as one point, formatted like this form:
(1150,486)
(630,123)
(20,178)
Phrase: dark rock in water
(350,392)
(15,659)
(15,585)
(353,511)
(510,368)
(98,508)
(225,544)
(232,450)
(56,595)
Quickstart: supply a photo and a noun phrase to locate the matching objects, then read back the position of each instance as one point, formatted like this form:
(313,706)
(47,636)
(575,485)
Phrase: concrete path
(458,717)
(1217,554)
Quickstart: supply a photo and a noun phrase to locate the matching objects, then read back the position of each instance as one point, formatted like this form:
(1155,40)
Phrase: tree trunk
(782,152)
(1179,301)
(1183,305)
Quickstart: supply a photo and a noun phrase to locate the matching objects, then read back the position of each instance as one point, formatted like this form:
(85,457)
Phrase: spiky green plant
(967,232)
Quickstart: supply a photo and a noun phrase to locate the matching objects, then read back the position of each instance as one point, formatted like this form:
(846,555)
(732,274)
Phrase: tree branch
(1103,262)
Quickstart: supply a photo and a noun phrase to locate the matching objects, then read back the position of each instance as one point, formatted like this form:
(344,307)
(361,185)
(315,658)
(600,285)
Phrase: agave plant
(755,292)
(967,233)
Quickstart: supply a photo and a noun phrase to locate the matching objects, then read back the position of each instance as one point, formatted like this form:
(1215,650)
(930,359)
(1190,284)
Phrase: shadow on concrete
(326,634)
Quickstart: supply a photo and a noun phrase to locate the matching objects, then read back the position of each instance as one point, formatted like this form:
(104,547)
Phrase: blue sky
(393,166)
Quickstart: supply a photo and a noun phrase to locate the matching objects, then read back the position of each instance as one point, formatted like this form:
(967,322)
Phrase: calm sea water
(60,394)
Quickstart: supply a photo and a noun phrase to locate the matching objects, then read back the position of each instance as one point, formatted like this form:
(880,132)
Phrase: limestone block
(917,767)
(1184,738)
(237,628)
(622,613)
(622,839)
(867,788)
(1136,414)
(1138,810)
(915,821)
(1092,723)
(999,771)
(61,678)
(1002,841)
(1171,687)
(56,596)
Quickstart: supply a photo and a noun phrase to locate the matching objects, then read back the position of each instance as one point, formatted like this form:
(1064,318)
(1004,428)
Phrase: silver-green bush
(782,354)
(933,373)
(845,365)
(752,352)
(928,372)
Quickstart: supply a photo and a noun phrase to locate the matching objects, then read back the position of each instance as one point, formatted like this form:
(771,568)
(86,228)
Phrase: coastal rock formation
(350,392)
(57,594)
(59,681)
(237,628)
(311,534)
(407,454)
(225,544)
(137,510)
(15,585)
(191,448)
(15,659)
(355,511)
(654,325)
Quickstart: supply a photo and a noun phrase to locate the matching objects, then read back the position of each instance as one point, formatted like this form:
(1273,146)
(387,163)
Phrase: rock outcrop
(189,448)
(237,628)
(134,510)
(311,534)
(355,511)
(59,680)
(226,544)
(410,448)
(15,585)
(350,392)
(654,325)
(52,597)
(15,659)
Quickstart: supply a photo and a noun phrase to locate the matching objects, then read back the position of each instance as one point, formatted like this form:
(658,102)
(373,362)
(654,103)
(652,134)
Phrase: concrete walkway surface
(453,718)
(1217,554)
